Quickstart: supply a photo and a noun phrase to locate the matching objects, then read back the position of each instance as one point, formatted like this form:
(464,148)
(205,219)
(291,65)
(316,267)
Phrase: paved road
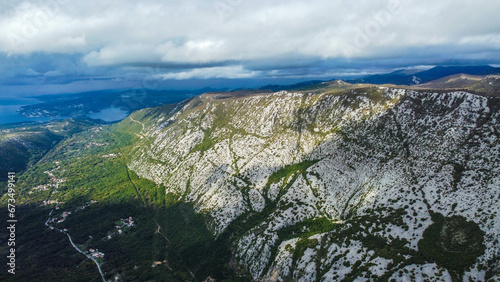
(74,246)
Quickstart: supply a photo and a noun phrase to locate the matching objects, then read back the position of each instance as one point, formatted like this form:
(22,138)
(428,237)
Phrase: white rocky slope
(376,161)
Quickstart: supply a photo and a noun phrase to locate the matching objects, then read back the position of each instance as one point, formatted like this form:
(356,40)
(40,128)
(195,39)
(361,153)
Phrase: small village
(90,144)
(40,188)
(60,219)
(53,178)
(120,226)
(110,156)
(95,253)
(50,202)
(46,187)
(86,205)
(65,214)
(96,129)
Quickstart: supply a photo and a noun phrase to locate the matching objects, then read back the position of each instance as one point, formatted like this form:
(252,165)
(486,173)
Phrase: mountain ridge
(334,181)
(221,154)
(401,77)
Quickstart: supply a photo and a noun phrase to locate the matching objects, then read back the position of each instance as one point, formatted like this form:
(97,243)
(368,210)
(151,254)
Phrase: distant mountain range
(412,77)
(86,103)
(94,103)
(409,76)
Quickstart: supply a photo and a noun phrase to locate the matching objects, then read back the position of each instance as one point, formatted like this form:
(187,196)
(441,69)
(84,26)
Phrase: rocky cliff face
(348,181)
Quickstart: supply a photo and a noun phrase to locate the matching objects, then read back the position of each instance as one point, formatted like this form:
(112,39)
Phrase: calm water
(9,107)
(110,114)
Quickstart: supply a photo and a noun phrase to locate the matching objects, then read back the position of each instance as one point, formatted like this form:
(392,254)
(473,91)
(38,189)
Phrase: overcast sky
(108,43)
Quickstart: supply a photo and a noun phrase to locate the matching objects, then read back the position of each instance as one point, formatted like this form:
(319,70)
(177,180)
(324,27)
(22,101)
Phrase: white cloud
(53,73)
(108,33)
(210,72)
(32,72)
(121,54)
(196,51)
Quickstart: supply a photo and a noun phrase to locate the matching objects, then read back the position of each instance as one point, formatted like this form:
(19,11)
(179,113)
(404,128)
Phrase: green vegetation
(206,144)
(306,228)
(91,165)
(249,220)
(452,242)
(300,247)
(458,171)
(170,241)
(285,173)
(21,149)
(42,254)
(22,145)
(356,228)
